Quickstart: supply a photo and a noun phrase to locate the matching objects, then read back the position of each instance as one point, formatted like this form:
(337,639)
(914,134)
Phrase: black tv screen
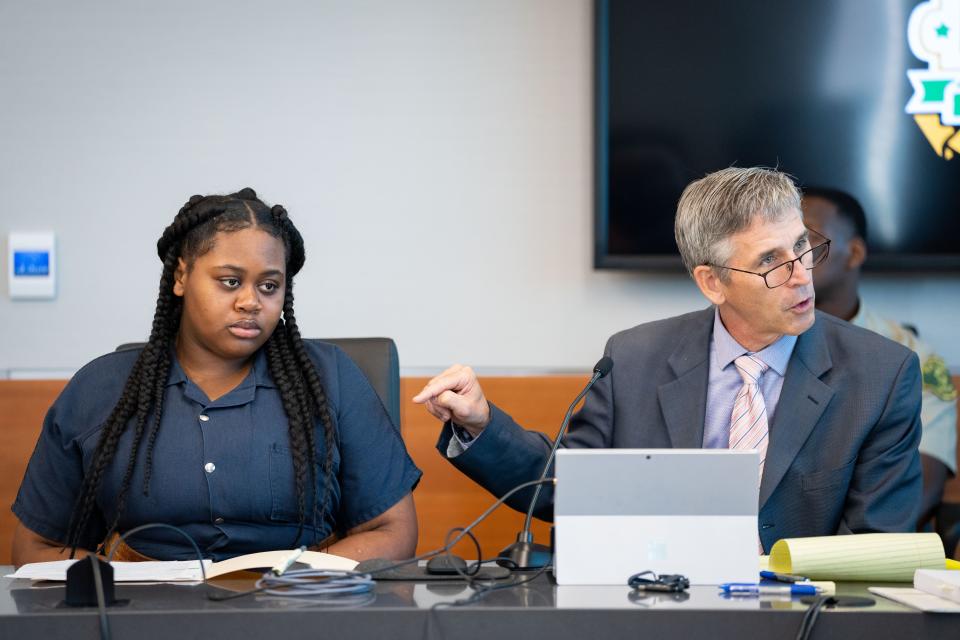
(817,88)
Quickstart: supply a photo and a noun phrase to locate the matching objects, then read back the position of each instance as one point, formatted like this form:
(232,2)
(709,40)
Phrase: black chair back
(377,359)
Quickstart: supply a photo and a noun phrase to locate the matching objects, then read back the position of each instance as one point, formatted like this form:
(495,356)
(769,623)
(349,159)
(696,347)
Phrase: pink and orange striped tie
(748,422)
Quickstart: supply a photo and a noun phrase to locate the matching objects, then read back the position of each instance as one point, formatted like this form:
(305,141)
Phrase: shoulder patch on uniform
(936,379)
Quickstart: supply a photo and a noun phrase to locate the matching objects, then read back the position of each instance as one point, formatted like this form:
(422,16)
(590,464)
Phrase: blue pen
(751,589)
(781,577)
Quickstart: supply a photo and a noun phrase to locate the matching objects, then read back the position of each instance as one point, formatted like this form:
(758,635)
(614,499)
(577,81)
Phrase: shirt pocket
(283,489)
(828,479)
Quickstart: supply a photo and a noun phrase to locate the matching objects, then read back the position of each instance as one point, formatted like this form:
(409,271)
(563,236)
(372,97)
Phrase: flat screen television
(819,89)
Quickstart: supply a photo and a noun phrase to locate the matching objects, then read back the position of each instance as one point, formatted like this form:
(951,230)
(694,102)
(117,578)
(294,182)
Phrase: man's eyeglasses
(780,274)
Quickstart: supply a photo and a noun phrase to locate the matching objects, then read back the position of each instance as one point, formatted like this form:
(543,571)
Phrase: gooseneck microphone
(525,553)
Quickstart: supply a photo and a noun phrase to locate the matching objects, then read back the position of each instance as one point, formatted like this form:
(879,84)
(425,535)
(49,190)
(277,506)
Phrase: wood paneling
(22,407)
(445,497)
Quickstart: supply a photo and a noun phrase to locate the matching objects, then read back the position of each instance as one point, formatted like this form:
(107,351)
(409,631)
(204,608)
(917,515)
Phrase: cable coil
(315,582)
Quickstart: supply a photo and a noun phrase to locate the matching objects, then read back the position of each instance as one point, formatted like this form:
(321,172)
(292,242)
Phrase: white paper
(939,582)
(152,571)
(917,599)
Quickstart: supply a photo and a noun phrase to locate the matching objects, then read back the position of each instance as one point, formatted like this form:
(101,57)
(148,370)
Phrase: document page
(151,571)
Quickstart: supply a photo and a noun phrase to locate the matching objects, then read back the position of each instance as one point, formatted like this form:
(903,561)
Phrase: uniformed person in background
(840,217)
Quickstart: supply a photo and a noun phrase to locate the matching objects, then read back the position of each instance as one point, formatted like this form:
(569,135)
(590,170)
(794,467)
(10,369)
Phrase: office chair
(377,359)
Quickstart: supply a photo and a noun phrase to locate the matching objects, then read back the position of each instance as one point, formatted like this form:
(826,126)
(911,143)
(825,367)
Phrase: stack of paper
(920,600)
(880,557)
(935,590)
(942,583)
(170,571)
(189,570)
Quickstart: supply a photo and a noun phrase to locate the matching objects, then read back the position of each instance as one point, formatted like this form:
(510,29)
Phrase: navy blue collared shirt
(222,469)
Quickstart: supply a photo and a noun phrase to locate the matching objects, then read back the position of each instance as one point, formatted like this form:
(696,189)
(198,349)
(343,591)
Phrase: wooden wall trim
(445,498)
(23,404)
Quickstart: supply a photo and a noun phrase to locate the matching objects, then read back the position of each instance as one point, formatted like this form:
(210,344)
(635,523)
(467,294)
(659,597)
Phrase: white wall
(436,155)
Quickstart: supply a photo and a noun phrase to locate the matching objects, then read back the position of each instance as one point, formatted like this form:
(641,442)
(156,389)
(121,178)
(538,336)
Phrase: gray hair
(723,203)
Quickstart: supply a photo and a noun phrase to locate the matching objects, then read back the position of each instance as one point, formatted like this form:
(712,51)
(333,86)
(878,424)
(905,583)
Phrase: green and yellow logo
(934,36)
(936,379)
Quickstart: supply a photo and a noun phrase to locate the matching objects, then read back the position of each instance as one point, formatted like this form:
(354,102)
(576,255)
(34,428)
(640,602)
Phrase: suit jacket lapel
(803,399)
(684,399)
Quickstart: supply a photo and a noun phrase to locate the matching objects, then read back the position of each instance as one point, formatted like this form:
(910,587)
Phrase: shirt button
(204,417)
(218,521)
(209,467)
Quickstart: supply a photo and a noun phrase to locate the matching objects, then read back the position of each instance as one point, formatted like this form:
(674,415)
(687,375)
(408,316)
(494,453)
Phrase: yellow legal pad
(876,557)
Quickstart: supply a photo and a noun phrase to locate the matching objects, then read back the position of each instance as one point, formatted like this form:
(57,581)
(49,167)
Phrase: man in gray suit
(834,410)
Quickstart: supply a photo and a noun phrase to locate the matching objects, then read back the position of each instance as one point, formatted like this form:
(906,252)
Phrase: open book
(188,570)
(880,557)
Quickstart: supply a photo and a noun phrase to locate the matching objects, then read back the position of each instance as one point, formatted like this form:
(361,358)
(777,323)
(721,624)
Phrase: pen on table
(781,577)
(288,561)
(751,589)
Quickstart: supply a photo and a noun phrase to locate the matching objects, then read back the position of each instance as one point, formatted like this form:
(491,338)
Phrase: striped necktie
(748,422)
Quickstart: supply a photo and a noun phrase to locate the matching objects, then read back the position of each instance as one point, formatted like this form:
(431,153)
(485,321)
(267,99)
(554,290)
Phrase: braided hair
(190,236)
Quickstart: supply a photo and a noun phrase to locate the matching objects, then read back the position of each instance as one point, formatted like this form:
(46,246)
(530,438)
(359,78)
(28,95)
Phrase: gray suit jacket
(842,455)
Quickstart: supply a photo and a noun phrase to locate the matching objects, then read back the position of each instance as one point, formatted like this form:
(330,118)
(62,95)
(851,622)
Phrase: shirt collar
(776,355)
(261,371)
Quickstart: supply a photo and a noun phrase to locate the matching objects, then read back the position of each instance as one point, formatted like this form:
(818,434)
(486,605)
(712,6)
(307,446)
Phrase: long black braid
(189,236)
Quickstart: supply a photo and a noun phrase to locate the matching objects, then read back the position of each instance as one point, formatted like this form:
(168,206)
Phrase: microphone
(525,553)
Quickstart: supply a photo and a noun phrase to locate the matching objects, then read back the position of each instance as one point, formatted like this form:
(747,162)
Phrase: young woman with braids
(226,423)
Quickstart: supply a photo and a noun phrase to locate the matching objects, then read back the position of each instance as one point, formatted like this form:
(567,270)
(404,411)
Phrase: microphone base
(525,555)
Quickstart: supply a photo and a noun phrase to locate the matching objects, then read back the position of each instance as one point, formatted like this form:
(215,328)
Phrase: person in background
(833,409)
(841,217)
(225,423)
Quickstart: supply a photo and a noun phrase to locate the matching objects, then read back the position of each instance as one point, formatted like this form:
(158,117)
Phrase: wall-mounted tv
(818,88)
